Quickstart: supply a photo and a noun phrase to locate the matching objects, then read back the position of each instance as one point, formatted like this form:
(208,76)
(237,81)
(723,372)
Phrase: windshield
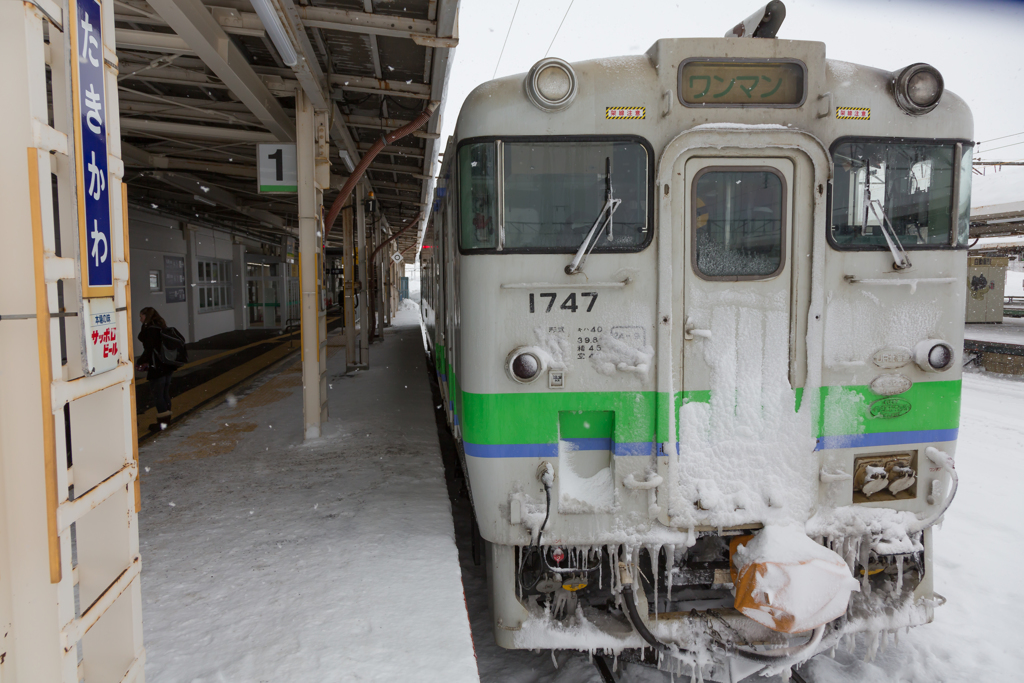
(910,184)
(552,192)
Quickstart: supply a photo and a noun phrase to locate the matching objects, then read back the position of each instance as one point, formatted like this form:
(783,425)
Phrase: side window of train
(906,187)
(738,222)
(478,185)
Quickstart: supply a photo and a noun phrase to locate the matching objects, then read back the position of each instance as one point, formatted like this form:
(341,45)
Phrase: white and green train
(687,302)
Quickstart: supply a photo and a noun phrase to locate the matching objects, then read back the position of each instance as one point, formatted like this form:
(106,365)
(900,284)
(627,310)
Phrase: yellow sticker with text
(625,112)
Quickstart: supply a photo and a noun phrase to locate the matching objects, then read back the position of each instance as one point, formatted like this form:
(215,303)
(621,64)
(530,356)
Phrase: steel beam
(191,20)
(395,168)
(192,132)
(396,150)
(376,124)
(421,31)
(441,64)
(307,70)
(151,41)
(137,157)
(157,109)
(402,88)
(201,188)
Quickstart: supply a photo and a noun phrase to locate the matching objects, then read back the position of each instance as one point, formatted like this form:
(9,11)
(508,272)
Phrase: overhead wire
(507,34)
(1001,137)
(552,44)
(1012,144)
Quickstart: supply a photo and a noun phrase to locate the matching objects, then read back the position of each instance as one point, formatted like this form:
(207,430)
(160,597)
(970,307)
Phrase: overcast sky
(977,46)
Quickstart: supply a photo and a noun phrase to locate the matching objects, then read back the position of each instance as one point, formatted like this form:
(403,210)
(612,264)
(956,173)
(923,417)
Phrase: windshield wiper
(604,219)
(901,261)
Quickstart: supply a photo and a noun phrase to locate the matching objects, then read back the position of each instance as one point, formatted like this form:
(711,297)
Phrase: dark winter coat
(149,335)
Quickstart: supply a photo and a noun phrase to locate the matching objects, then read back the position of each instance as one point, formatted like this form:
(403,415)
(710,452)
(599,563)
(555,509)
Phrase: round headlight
(934,355)
(918,88)
(551,84)
(524,366)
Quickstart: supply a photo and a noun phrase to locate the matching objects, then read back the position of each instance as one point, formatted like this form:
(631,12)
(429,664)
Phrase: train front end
(701,343)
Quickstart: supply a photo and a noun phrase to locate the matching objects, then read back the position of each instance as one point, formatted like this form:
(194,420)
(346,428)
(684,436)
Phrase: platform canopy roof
(997,220)
(203,82)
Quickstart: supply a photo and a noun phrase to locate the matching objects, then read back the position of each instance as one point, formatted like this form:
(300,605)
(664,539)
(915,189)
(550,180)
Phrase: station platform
(1010,331)
(271,559)
(216,365)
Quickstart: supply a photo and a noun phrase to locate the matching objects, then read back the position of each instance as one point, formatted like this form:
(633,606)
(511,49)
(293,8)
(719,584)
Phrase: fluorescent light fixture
(347,159)
(272,22)
(200,198)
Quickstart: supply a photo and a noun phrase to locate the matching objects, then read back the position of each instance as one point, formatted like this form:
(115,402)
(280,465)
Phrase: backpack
(172,351)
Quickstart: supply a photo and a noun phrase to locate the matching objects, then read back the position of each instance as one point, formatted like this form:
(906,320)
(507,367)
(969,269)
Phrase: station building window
(214,285)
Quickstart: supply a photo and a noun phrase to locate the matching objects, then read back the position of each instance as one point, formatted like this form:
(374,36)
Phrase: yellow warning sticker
(860,113)
(625,112)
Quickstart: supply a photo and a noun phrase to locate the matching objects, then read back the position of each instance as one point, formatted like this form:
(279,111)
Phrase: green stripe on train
(533,417)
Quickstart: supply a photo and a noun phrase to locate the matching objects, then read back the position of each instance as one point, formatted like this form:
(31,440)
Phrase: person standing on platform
(158,373)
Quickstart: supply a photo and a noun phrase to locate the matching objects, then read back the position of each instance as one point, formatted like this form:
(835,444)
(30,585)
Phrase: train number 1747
(570,304)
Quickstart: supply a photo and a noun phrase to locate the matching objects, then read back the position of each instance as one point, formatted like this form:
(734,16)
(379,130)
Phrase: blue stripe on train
(550,450)
(886,439)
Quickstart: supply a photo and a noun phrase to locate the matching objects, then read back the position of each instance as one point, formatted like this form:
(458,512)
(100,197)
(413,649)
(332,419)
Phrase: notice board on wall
(174,279)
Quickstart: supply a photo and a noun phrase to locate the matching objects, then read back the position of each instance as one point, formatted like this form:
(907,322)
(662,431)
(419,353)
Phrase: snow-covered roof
(1009,242)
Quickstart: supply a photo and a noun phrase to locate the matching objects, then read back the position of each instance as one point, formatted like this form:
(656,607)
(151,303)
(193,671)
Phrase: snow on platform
(1010,331)
(266,559)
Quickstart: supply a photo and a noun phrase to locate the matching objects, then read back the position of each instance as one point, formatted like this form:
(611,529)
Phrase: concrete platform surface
(1010,331)
(269,559)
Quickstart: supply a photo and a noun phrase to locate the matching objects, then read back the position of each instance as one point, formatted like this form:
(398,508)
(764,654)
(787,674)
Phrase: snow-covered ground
(269,560)
(266,559)
(975,636)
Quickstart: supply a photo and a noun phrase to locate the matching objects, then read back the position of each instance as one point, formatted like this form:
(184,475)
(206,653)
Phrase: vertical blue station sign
(90,116)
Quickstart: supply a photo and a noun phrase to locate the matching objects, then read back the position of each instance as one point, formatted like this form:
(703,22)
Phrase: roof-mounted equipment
(764,23)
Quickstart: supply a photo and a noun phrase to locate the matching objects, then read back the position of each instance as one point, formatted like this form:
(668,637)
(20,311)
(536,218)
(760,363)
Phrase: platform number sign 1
(277,168)
(90,133)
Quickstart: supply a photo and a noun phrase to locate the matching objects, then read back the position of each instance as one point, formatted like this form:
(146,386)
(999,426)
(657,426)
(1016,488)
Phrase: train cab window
(906,189)
(555,191)
(544,195)
(738,222)
(478,196)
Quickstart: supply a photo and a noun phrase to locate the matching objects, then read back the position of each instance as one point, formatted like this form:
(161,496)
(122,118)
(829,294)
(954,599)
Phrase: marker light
(918,88)
(557,554)
(934,355)
(551,84)
(523,366)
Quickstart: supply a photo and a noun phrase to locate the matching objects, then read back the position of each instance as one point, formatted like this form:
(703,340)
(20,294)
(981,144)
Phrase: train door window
(478,193)
(892,185)
(738,222)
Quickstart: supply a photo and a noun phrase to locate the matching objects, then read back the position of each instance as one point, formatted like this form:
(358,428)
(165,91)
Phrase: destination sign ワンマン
(704,83)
